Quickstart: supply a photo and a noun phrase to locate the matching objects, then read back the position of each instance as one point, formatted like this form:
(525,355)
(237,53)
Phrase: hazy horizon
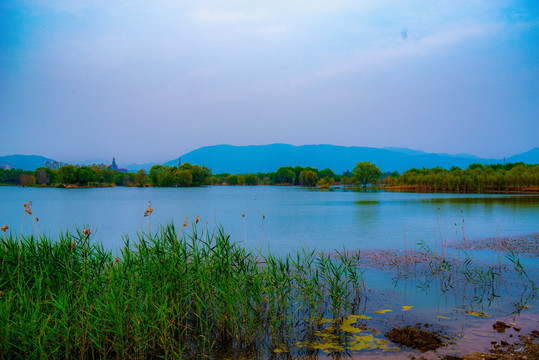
(121,162)
(143,82)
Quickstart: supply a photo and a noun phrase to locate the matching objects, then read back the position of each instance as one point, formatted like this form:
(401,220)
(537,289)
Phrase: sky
(151,80)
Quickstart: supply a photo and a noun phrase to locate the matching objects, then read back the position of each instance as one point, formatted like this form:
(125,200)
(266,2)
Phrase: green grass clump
(170,295)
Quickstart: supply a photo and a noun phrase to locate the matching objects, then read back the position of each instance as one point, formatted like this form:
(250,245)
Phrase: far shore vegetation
(477,178)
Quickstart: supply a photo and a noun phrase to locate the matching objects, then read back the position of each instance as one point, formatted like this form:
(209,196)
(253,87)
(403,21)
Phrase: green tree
(67,174)
(285,175)
(366,173)
(141,177)
(308,178)
(85,175)
(326,173)
(184,178)
(232,179)
(199,176)
(155,172)
(250,179)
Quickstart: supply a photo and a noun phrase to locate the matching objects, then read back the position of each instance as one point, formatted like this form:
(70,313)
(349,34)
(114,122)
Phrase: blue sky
(148,81)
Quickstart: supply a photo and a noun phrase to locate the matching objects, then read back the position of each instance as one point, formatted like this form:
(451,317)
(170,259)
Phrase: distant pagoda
(113,166)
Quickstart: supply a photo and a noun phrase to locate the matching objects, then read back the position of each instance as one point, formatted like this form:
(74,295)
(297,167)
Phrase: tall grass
(171,294)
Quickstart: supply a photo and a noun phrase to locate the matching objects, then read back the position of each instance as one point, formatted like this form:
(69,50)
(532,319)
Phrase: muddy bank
(527,348)
(415,338)
(425,189)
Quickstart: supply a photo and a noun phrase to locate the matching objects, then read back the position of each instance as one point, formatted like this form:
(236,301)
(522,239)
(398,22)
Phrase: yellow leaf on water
(443,317)
(382,311)
(277,351)
(350,329)
(349,320)
(406,308)
(478,314)
(325,321)
(367,342)
(362,317)
(326,347)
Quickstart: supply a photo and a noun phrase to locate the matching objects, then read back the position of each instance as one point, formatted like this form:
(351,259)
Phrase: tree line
(363,174)
(187,175)
(476,178)
(98,176)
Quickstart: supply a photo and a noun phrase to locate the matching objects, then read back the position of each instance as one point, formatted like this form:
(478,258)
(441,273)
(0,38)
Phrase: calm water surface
(294,217)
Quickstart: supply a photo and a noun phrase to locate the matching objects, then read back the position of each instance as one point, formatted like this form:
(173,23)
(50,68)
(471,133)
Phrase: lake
(287,218)
(294,217)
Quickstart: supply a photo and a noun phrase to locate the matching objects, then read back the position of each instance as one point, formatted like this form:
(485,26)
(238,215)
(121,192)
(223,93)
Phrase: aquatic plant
(171,294)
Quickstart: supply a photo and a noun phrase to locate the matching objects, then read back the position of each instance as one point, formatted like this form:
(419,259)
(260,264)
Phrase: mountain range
(268,158)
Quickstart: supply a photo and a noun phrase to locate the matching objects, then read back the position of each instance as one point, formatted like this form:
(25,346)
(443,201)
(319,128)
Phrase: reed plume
(27,210)
(148,213)
(4,229)
(35,227)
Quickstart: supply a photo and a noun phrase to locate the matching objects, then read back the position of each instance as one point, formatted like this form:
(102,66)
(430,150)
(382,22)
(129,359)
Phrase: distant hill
(267,158)
(529,157)
(25,162)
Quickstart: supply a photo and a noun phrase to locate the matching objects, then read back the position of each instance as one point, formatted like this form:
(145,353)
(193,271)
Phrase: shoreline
(532,190)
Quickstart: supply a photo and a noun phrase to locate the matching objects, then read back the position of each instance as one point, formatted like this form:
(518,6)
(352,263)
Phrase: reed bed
(171,294)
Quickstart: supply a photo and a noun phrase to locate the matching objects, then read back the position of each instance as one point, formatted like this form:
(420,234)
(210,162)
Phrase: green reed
(474,282)
(171,294)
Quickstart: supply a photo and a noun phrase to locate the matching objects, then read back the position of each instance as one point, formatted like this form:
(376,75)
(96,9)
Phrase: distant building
(113,166)
(55,165)
(5,167)
(179,161)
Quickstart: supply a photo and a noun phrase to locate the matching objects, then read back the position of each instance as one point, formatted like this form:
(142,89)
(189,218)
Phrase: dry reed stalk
(245,228)
(262,245)
(35,227)
(499,243)
(437,230)
(27,210)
